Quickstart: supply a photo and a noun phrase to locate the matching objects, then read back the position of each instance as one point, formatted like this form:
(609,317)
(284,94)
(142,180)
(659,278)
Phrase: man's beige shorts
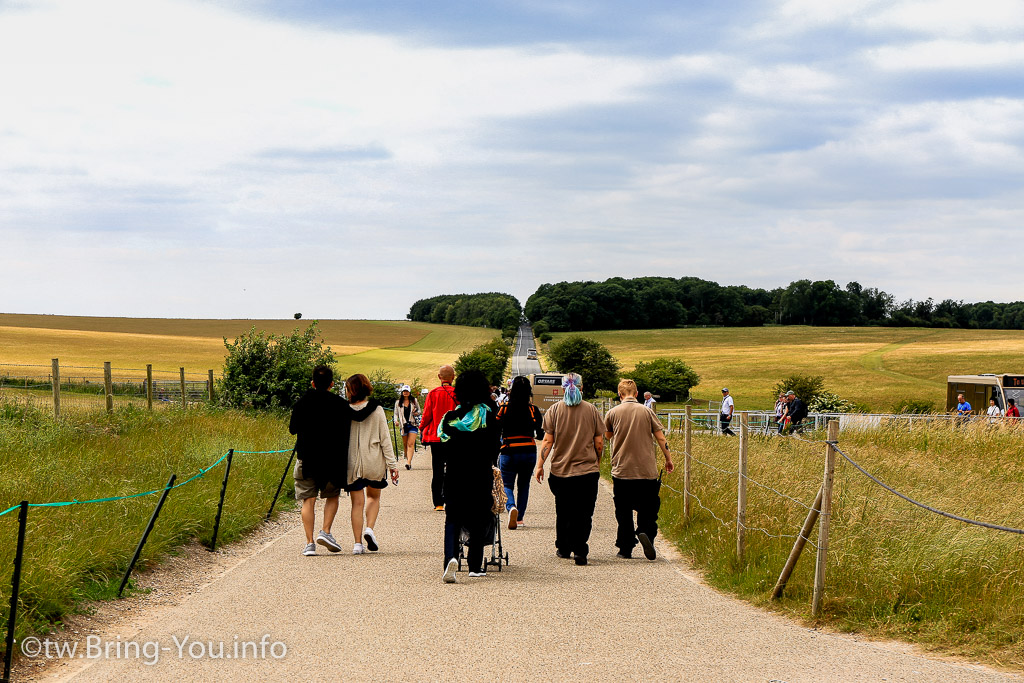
(306,488)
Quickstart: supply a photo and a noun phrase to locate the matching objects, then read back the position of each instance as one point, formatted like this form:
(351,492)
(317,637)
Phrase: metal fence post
(281,485)
(220,507)
(826,517)
(145,535)
(12,616)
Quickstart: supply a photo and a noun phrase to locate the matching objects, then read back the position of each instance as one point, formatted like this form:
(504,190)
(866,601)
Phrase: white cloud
(948,55)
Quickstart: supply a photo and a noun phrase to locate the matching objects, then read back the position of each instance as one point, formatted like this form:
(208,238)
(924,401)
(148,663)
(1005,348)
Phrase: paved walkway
(388,616)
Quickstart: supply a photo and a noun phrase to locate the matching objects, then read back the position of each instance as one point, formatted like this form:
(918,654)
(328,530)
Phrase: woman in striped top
(520,423)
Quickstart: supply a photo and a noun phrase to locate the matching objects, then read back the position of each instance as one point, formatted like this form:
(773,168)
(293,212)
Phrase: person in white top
(726,416)
(993,411)
(650,402)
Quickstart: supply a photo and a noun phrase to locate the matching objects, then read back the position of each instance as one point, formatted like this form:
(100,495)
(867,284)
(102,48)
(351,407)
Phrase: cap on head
(406,387)
(790,393)
(725,390)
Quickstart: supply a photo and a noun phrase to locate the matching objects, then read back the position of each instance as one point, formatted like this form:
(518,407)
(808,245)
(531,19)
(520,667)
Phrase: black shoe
(408,466)
(649,551)
(562,554)
(626,555)
(581,560)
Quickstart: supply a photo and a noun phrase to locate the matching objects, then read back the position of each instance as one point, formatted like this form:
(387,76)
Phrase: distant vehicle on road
(531,354)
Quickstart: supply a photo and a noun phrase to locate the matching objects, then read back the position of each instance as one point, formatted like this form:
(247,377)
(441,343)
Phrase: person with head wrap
(574,440)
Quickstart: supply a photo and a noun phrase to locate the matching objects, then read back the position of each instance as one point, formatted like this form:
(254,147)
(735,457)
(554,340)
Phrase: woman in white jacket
(370,457)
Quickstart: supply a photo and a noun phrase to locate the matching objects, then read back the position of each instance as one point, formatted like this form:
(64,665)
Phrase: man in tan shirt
(636,486)
(573,437)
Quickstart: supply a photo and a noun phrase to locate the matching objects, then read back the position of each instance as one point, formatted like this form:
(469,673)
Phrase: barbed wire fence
(818,512)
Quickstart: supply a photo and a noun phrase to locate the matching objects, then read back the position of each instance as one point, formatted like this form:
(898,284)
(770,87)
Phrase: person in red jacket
(1012,410)
(439,401)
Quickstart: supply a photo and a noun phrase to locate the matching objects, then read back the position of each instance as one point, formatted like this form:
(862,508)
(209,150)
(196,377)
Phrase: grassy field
(876,366)
(894,570)
(407,349)
(80,552)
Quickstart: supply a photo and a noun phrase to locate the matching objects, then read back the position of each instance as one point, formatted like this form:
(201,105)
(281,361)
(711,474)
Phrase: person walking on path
(521,425)
(321,421)
(370,457)
(636,486)
(796,411)
(649,401)
(407,418)
(439,401)
(472,437)
(780,411)
(725,418)
(574,438)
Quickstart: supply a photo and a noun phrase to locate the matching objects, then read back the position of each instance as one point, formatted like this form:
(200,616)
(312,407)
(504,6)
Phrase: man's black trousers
(575,498)
(635,495)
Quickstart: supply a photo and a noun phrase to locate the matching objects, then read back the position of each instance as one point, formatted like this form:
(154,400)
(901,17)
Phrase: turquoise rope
(287,450)
(201,472)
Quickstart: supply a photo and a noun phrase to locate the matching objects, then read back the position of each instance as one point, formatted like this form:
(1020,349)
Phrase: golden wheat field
(407,349)
(876,366)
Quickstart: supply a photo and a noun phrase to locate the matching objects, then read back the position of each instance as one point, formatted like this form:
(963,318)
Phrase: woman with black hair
(520,422)
(472,438)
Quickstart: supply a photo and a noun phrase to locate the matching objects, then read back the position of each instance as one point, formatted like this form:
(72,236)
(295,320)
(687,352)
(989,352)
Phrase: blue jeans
(517,465)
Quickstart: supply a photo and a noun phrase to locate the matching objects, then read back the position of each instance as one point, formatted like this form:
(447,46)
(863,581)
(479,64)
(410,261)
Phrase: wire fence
(777,514)
(85,388)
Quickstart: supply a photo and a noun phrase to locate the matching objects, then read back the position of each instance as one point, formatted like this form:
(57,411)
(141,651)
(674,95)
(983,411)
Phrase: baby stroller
(492,532)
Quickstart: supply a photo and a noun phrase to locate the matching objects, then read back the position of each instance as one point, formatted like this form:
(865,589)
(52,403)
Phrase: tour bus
(978,389)
(547,389)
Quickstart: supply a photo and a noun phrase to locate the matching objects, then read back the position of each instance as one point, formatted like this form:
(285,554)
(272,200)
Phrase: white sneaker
(310,549)
(477,574)
(358,549)
(371,540)
(449,571)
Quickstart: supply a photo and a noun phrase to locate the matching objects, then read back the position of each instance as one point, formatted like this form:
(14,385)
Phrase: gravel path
(388,616)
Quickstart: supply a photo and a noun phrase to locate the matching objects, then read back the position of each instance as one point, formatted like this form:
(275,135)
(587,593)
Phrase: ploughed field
(406,349)
(876,366)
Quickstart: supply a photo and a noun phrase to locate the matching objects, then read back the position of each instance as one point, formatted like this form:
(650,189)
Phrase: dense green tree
(588,357)
(669,378)
(265,370)
(476,310)
(490,358)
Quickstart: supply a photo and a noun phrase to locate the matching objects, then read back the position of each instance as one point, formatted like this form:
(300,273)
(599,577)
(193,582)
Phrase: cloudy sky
(255,158)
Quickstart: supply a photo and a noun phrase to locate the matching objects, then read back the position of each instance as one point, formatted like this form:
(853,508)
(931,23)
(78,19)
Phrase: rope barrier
(950,515)
(202,471)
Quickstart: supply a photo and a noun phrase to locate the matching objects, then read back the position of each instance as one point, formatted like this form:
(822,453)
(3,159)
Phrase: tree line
(654,302)
(492,309)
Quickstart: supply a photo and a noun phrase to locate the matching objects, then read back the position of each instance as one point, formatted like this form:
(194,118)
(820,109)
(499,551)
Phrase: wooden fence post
(184,403)
(687,443)
(56,387)
(149,386)
(741,493)
(826,517)
(798,547)
(209,385)
(108,387)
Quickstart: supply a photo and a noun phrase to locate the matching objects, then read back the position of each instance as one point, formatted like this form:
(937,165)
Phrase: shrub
(545,337)
(827,402)
(265,370)
(917,406)
(670,378)
(807,387)
(384,389)
(541,328)
(509,332)
(489,358)
(590,359)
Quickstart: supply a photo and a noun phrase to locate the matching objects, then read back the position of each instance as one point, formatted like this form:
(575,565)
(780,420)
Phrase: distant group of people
(994,412)
(471,437)
(790,412)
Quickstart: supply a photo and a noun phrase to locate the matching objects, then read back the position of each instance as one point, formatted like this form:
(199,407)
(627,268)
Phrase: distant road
(520,364)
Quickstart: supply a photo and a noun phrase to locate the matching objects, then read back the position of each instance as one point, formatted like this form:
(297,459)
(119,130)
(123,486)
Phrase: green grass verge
(894,570)
(80,552)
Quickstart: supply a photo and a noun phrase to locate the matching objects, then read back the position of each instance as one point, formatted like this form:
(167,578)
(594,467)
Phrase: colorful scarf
(573,395)
(472,421)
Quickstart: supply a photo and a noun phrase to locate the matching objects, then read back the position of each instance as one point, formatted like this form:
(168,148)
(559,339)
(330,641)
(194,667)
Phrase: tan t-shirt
(633,426)
(574,429)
